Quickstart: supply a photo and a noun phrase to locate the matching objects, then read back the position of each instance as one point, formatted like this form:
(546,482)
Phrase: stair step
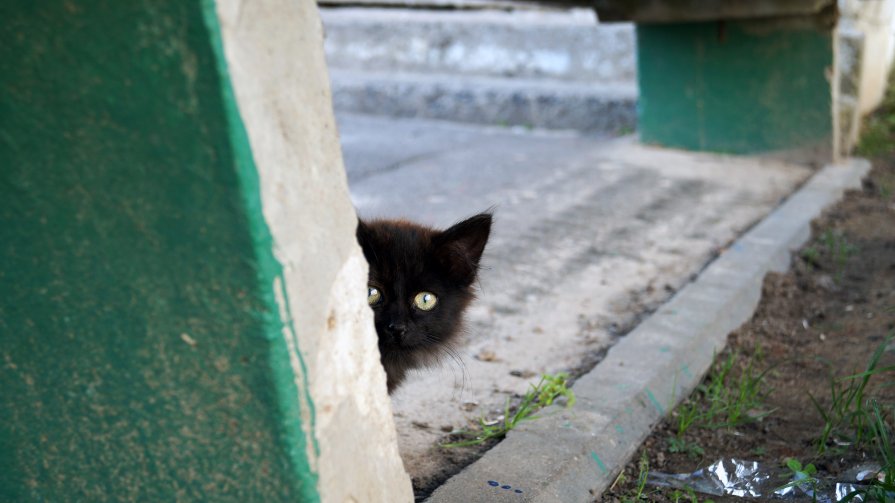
(568,45)
(538,103)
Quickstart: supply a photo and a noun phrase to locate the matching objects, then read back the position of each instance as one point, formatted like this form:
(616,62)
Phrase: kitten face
(421,281)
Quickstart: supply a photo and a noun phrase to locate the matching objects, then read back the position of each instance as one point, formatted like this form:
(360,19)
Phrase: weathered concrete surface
(182,301)
(588,234)
(275,56)
(140,361)
(557,70)
(574,455)
(875,21)
(742,87)
(568,45)
(490,101)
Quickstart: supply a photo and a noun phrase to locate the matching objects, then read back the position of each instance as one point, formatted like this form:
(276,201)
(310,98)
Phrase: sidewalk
(590,233)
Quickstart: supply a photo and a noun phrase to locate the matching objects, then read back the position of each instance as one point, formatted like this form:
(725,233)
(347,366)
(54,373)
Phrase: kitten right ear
(364,236)
(461,246)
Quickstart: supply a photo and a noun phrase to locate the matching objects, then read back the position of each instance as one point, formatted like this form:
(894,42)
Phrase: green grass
(636,493)
(879,490)
(878,132)
(549,389)
(834,244)
(839,248)
(803,477)
(679,445)
(725,400)
(846,418)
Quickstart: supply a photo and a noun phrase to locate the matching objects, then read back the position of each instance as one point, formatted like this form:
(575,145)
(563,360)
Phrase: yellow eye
(373,296)
(425,301)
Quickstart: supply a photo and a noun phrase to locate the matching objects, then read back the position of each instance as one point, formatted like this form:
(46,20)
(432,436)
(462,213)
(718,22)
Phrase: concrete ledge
(537,103)
(574,455)
(568,46)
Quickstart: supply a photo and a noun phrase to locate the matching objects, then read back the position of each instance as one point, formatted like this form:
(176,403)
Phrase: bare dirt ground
(822,320)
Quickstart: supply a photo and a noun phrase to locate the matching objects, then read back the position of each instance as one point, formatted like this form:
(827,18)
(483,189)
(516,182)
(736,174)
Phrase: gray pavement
(573,455)
(589,233)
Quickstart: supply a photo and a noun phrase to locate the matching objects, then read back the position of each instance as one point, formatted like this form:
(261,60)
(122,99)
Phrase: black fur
(407,258)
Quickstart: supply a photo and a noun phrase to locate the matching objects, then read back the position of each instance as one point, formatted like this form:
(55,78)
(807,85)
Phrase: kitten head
(421,280)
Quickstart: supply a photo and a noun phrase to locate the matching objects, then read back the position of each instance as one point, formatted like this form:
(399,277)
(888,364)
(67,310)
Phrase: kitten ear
(363,235)
(461,246)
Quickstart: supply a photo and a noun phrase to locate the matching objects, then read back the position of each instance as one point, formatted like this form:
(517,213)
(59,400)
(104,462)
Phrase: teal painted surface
(296,436)
(141,350)
(733,87)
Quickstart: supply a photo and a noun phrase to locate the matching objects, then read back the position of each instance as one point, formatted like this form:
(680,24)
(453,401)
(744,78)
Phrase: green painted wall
(141,356)
(737,87)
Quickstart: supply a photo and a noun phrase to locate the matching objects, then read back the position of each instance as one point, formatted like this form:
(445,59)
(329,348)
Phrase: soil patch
(823,319)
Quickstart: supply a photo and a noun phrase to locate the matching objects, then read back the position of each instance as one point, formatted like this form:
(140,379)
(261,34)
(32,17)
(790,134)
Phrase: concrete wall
(182,302)
(875,21)
(736,87)
(865,42)
(275,55)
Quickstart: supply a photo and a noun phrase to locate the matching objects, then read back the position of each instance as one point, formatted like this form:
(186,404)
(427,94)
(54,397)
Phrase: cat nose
(397,329)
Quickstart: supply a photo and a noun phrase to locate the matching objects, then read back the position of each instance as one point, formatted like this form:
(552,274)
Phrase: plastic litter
(751,479)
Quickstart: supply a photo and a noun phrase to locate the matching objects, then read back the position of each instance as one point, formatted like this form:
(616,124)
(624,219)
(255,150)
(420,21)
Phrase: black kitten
(421,280)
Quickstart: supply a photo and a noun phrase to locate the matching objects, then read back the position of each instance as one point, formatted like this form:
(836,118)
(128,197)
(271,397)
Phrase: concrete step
(543,69)
(568,45)
(536,103)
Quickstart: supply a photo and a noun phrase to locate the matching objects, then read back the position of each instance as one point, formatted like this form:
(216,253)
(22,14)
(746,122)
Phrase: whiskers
(442,353)
(455,357)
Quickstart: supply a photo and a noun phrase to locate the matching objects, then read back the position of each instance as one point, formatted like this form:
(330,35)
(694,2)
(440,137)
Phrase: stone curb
(574,455)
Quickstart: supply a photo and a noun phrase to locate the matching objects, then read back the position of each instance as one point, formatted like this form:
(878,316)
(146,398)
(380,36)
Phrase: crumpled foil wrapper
(737,477)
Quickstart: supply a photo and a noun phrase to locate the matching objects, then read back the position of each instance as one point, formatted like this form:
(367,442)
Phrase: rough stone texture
(573,455)
(846,86)
(536,69)
(570,46)
(182,301)
(875,21)
(140,357)
(541,103)
(275,55)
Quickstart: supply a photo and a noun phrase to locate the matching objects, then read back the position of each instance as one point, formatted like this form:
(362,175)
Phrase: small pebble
(187,339)
(822,337)
(486,355)
(469,406)
(447,428)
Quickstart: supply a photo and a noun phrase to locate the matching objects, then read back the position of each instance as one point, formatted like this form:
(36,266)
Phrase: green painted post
(141,356)
(736,86)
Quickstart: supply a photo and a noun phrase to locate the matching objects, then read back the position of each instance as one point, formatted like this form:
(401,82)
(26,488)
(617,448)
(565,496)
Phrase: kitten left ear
(460,247)
(364,237)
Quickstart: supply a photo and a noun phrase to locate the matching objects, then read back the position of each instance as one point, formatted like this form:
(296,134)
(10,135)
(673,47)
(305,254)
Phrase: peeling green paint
(735,86)
(141,347)
(270,274)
